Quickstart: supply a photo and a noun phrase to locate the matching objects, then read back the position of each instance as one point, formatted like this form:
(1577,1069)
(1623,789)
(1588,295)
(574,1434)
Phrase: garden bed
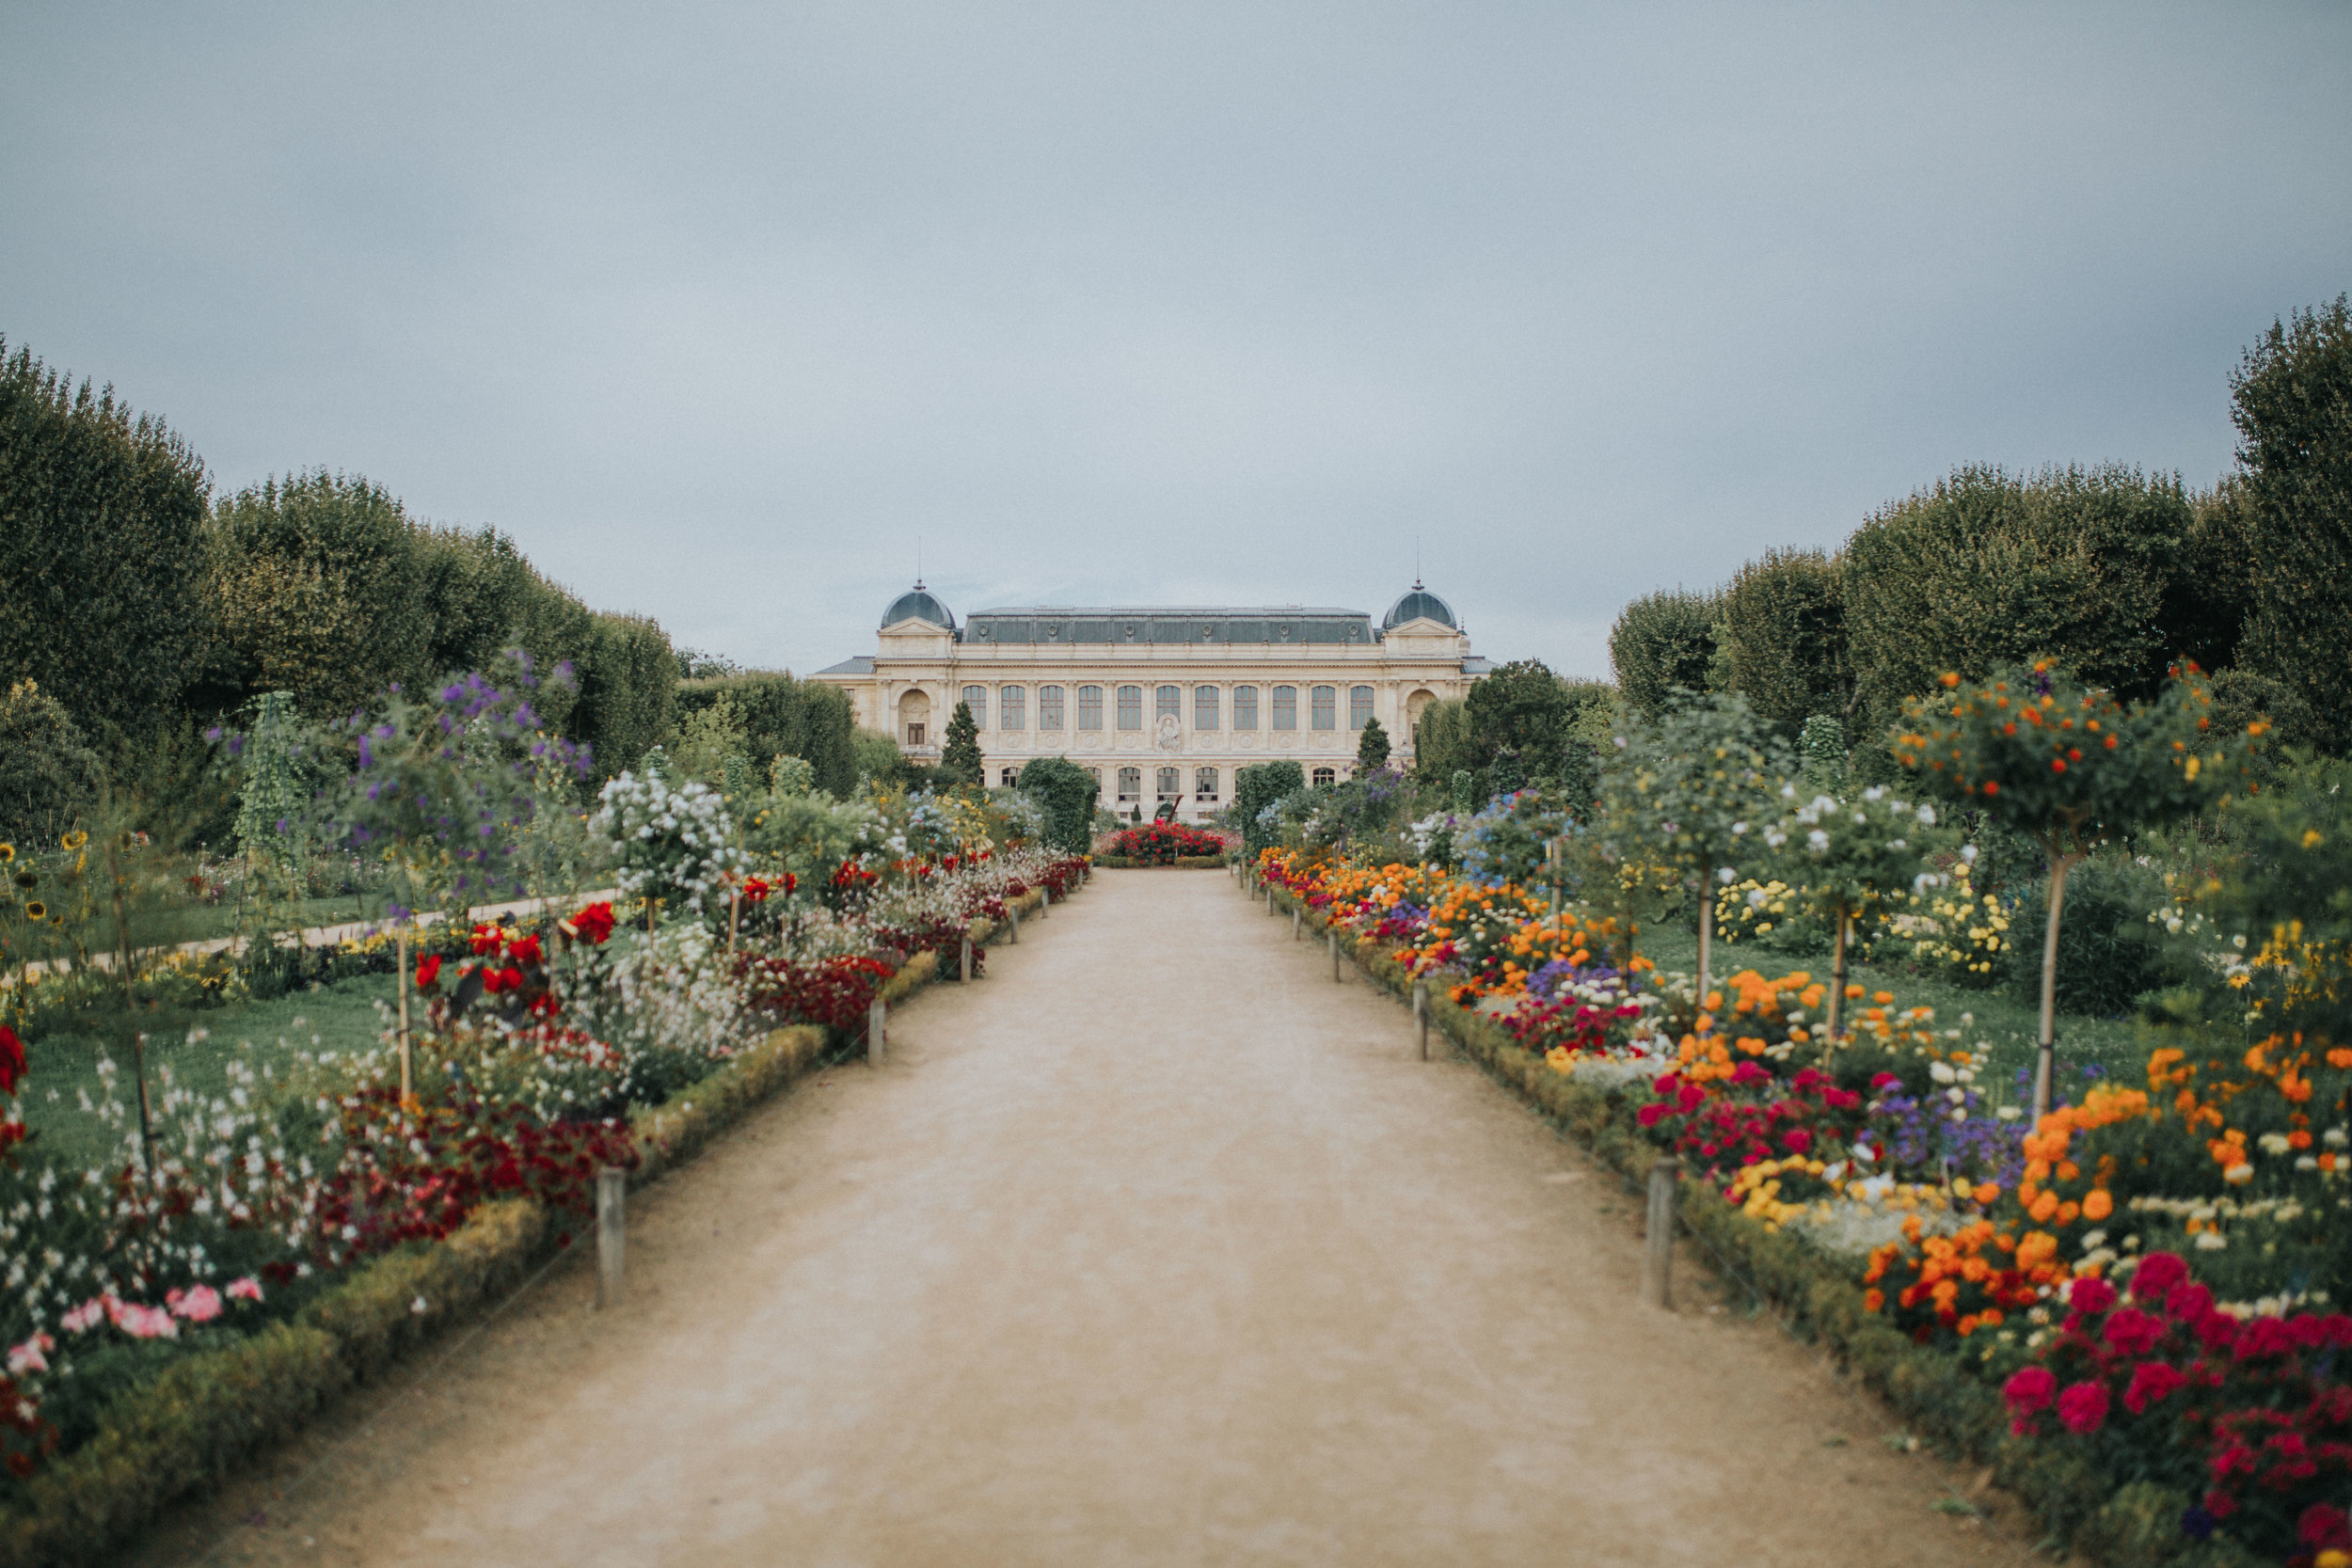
(1181,862)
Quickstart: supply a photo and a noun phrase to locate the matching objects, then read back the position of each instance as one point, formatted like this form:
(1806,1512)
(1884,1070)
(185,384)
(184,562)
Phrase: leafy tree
(1256,787)
(1688,788)
(706,737)
(1783,637)
(628,688)
(784,715)
(1371,747)
(1662,643)
(1067,793)
(50,778)
(960,759)
(2292,403)
(1821,749)
(1986,569)
(1441,740)
(1850,856)
(2067,765)
(101,551)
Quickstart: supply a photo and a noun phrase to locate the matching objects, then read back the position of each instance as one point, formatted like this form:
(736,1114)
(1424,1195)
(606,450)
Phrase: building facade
(1162,704)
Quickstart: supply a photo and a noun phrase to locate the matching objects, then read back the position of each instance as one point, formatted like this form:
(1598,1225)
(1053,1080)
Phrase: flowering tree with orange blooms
(2069,765)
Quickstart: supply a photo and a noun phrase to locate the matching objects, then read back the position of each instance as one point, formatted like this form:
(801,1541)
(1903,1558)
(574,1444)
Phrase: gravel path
(1156,1247)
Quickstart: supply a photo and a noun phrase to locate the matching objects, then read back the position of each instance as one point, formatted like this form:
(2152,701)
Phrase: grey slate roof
(1209,624)
(861,665)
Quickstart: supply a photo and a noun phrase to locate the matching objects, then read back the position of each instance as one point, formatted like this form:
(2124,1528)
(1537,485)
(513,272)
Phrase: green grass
(1995,1018)
(337,1017)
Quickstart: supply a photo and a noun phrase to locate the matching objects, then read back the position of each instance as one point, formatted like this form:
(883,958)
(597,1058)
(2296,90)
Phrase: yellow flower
(7,853)
(74,840)
(36,910)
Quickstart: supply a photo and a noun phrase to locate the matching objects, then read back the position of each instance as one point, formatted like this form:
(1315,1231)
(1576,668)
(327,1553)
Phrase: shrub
(783,716)
(1441,741)
(2110,953)
(1372,747)
(1258,787)
(1067,792)
(1784,621)
(1164,843)
(1660,644)
(628,688)
(49,776)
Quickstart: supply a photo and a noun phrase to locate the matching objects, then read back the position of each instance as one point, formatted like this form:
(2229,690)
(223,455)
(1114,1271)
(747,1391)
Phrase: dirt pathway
(1156,1248)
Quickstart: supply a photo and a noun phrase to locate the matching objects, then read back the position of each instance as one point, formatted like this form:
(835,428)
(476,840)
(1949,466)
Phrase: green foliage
(790,776)
(1662,643)
(2110,953)
(2292,403)
(49,776)
(1783,637)
(1372,747)
(272,805)
(876,757)
(1691,783)
(1821,747)
(708,734)
(1986,568)
(1853,856)
(101,551)
(785,716)
(627,690)
(2290,894)
(1441,740)
(1463,790)
(1067,794)
(1256,787)
(960,760)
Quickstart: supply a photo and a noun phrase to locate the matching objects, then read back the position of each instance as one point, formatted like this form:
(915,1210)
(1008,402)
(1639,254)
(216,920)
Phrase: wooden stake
(1014,910)
(1335,957)
(407,1083)
(1421,1014)
(734,917)
(1294,922)
(612,1235)
(1657,1259)
(963,960)
(877,1037)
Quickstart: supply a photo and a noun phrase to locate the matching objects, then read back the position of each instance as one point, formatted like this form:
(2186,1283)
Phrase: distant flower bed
(1164,844)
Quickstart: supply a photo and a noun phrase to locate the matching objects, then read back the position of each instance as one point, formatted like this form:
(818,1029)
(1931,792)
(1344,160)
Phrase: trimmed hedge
(1821,1295)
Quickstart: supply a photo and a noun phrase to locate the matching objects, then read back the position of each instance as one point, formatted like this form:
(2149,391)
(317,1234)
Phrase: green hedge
(785,716)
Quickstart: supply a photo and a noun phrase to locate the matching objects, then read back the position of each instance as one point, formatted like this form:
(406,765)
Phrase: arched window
(1130,784)
(1049,707)
(1285,708)
(1204,708)
(1415,705)
(1245,707)
(1168,702)
(1204,784)
(1131,707)
(1009,778)
(1090,707)
(1358,707)
(1325,777)
(1325,706)
(914,713)
(1172,783)
(976,698)
(1013,708)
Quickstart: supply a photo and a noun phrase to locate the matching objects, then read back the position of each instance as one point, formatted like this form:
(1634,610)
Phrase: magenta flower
(2083,1407)
(2151,1381)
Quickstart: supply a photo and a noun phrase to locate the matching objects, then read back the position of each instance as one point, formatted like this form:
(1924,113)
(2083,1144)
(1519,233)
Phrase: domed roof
(918,604)
(1417,605)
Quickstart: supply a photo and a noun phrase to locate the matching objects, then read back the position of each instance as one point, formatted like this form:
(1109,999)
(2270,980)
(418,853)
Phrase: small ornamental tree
(960,760)
(1066,792)
(1848,858)
(2068,765)
(1687,788)
(1371,747)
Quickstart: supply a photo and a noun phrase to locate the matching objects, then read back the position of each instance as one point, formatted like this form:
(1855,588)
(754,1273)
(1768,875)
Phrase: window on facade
(1358,707)
(1049,707)
(1090,707)
(1172,783)
(976,698)
(1130,784)
(1326,777)
(1009,778)
(1204,784)
(1245,707)
(1131,707)
(1167,702)
(1012,706)
(915,734)
(1324,702)
(1204,708)
(1285,708)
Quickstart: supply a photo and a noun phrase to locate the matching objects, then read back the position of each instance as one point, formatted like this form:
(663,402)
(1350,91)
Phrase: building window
(1009,778)
(1130,784)
(1168,702)
(1325,777)
(915,734)
(1131,707)
(1245,707)
(1171,782)
(1285,708)
(1324,702)
(1204,784)
(1013,708)
(1049,707)
(1090,707)
(1358,707)
(1204,708)
(976,698)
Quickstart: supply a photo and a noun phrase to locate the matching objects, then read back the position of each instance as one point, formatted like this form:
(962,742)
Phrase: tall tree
(960,760)
(1662,643)
(1371,747)
(1783,637)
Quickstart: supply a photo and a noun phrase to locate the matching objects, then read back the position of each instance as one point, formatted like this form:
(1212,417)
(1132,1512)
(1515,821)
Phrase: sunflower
(7,853)
(27,878)
(74,840)
(36,910)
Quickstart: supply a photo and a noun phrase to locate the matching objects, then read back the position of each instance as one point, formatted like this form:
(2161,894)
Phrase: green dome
(918,604)
(1417,605)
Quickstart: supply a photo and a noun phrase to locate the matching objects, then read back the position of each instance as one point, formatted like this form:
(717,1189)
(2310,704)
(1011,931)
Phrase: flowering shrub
(1164,843)
(667,844)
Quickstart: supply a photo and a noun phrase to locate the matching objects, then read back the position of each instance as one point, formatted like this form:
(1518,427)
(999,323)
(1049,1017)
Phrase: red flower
(11,1060)
(2151,1382)
(755,889)
(428,971)
(2094,1296)
(2029,1390)
(525,950)
(487,939)
(2083,1407)
(594,923)
(2157,1274)
(2324,1528)
(2131,1331)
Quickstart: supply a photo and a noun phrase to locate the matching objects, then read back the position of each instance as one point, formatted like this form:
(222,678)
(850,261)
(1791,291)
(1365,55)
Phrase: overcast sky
(717,308)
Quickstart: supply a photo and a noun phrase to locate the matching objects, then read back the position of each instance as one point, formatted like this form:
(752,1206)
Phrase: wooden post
(407,1086)
(1014,910)
(611,1234)
(1659,1258)
(963,960)
(735,916)
(1421,1014)
(877,1015)
(1294,922)
(1335,957)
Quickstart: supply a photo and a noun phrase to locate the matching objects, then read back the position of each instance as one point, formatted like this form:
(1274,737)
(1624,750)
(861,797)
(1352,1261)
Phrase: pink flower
(2324,1528)
(2133,1332)
(2151,1381)
(2029,1390)
(247,1289)
(28,1356)
(2157,1274)
(141,1323)
(2083,1407)
(199,1305)
(2089,1295)
(87,1316)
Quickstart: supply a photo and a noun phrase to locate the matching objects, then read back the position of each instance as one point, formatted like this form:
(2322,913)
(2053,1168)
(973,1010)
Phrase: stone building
(1162,703)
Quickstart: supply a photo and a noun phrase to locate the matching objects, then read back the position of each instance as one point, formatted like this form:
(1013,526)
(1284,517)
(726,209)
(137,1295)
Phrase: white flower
(1724,874)
(1969,853)
(1818,841)
(1942,1072)
(1927,816)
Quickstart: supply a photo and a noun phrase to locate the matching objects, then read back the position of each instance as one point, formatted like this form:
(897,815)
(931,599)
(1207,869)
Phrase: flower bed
(1162,843)
(1966,1265)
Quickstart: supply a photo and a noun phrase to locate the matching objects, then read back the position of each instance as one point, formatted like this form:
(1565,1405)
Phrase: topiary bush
(1067,793)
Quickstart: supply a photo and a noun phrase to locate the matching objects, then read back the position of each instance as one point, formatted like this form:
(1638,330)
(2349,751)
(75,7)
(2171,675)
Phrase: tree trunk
(1837,974)
(2044,1069)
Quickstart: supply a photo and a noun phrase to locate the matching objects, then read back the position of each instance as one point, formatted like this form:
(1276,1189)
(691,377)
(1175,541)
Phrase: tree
(1783,637)
(2292,403)
(628,689)
(101,551)
(784,715)
(1848,857)
(50,778)
(1255,788)
(1067,792)
(2067,765)
(1441,741)
(1371,747)
(960,760)
(1662,643)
